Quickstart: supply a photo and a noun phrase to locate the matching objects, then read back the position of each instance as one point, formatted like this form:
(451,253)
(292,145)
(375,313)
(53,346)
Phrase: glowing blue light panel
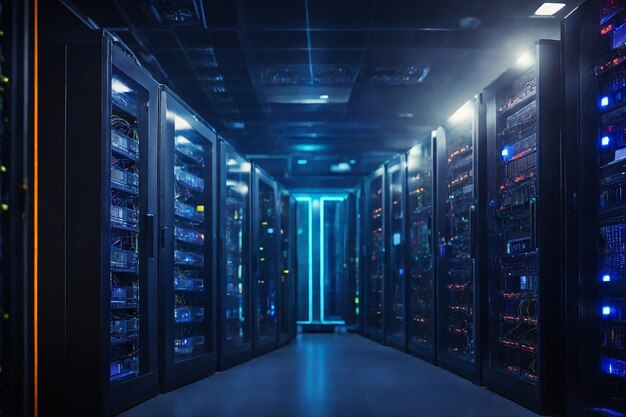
(606,278)
(606,141)
(604,101)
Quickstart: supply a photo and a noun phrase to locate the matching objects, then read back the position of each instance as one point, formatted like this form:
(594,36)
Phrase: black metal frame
(417,350)
(229,358)
(469,370)
(544,398)
(175,374)
(294,266)
(74,314)
(258,177)
(400,162)
(377,335)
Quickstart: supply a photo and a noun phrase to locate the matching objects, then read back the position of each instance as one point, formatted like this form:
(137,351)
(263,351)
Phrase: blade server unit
(374,249)
(187,220)
(420,261)
(522,242)
(104,209)
(395,311)
(595,74)
(235,285)
(265,290)
(458,285)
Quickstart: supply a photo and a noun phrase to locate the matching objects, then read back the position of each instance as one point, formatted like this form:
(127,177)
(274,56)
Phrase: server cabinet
(395,303)
(266,261)
(594,74)
(374,246)
(100,318)
(420,262)
(458,285)
(16,180)
(352,238)
(359,260)
(523,239)
(287,321)
(234,293)
(187,224)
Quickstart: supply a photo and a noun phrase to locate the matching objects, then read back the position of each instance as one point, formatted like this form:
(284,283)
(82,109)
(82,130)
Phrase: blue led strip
(310,250)
(322,278)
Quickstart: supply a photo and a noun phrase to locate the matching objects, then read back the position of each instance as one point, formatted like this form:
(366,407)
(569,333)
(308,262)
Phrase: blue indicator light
(606,310)
(606,278)
(505,152)
(613,366)
(606,140)
(604,101)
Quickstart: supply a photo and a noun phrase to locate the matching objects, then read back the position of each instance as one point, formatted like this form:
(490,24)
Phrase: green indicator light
(5,316)
(5,207)
(3,168)
(356,300)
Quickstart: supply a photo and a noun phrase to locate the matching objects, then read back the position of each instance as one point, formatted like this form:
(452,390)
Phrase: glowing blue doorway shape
(309,200)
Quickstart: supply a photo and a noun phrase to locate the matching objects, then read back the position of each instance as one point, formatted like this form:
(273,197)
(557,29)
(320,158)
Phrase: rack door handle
(149,222)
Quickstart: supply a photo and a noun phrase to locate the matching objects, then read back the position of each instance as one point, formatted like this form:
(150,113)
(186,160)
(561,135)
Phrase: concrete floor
(331,375)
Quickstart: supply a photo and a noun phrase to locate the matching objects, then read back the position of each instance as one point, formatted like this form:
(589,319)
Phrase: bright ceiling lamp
(549,9)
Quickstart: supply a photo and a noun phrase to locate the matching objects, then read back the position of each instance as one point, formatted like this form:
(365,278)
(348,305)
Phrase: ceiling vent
(177,12)
(323,75)
(405,75)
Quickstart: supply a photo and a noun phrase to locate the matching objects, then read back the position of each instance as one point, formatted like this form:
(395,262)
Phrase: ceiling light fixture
(340,167)
(549,9)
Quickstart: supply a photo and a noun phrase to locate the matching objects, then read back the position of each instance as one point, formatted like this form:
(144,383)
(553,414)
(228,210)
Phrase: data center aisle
(325,375)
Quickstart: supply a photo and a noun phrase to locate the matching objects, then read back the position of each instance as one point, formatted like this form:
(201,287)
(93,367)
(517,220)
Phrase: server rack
(420,262)
(458,284)
(287,296)
(235,314)
(187,224)
(523,242)
(352,238)
(374,249)
(359,260)
(16,283)
(99,316)
(396,301)
(266,260)
(593,57)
